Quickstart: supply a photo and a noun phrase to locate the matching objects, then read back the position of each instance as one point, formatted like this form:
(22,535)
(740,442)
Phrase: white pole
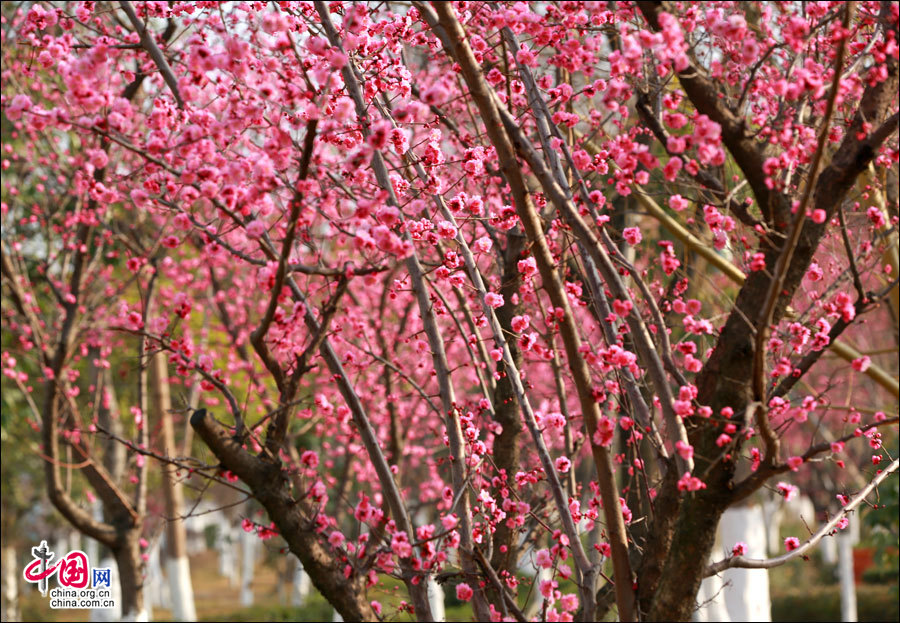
(248,564)
(746,592)
(302,585)
(436,599)
(845,574)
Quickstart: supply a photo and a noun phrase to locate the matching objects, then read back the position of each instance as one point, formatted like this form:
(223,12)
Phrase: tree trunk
(291,517)
(131,577)
(746,592)
(436,599)
(845,574)
(178,569)
(10,584)
(248,564)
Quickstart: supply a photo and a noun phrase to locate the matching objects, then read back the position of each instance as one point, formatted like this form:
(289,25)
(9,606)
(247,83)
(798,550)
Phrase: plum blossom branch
(454,39)
(787,252)
(826,530)
(753,482)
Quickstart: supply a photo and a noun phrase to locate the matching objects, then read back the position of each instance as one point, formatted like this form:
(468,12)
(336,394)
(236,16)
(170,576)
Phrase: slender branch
(153,50)
(826,530)
(448,28)
(258,336)
(509,603)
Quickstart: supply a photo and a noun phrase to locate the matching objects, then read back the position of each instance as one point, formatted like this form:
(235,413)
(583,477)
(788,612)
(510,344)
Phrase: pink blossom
(547,587)
(134,321)
(310,459)
(788,491)
(255,229)
(791,543)
(875,216)
(632,235)
(483,244)
(690,483)
(527,267)
(464,592)
(758,262)
(795,462)
(678,203)
(493,299)
(862,364)
(543,559)
(685,450)
(739,549)
(520,323)
(435,95)
(563,464)
(400,545)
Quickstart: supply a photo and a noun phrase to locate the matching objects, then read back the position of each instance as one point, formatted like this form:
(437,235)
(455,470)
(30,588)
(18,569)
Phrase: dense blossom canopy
(458,283)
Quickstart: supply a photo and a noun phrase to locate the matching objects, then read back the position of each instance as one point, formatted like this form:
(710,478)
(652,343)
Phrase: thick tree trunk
(127,553)
(507,410)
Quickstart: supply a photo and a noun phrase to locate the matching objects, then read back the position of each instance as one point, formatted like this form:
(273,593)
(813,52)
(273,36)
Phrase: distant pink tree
(463,281)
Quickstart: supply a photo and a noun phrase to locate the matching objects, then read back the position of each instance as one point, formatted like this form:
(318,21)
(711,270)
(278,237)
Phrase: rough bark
(292,517)
(506,405)
(725,379)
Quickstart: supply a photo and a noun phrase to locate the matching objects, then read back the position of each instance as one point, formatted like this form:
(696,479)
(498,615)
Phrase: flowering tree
(475,278)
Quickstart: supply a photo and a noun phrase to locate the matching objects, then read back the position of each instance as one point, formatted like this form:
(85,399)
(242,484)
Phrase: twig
(768,563)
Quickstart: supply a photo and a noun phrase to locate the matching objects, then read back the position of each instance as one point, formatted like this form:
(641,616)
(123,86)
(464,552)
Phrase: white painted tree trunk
(138,617)
(711,606)
(747,596)
(227,546)
(155,588)
(301,585)
(845,574)
(74,541)
(249,542)
(92,547)
(9,578)
(829,551)
(773,511)
(336,617)
(536,600)
(436,599)
(181,589)
(60,547)
(739,594)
